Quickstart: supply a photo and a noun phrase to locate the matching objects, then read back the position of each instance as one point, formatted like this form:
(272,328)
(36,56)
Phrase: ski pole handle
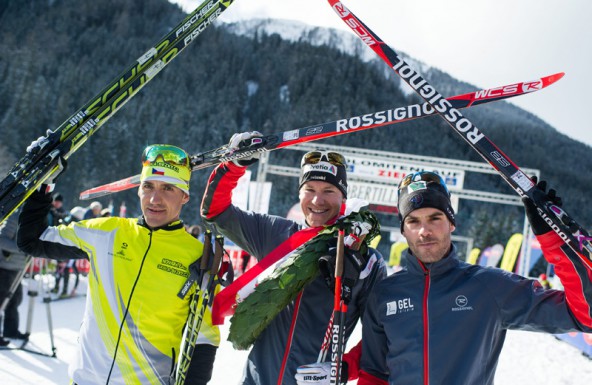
(207,251)
(218,253)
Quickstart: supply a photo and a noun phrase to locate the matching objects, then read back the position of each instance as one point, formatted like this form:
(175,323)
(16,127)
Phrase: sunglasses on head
(425,176)
(314,157)
(165,153)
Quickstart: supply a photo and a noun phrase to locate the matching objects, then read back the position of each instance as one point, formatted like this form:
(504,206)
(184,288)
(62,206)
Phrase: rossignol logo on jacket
(462,304)
(399,306)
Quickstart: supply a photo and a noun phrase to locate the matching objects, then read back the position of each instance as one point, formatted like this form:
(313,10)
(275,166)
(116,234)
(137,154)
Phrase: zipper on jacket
(128,306)
(290,338)
(426,329)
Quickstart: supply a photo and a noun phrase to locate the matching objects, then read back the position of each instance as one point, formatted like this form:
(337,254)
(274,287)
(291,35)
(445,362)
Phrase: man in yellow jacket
(133,322)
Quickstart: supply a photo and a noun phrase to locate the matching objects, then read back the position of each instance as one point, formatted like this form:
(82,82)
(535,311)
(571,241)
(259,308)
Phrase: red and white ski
(573,234)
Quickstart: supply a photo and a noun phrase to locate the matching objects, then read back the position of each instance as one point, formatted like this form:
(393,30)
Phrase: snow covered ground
(528,358)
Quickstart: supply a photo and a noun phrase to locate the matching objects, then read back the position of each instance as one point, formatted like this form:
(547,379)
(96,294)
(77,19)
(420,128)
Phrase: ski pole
(196,275)
(357,234)
(339,313)
(47,302)
(200,301)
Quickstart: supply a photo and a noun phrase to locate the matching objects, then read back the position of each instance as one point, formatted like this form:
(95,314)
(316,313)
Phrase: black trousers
(11,315)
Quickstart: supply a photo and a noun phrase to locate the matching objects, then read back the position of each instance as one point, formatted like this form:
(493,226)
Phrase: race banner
(391,172)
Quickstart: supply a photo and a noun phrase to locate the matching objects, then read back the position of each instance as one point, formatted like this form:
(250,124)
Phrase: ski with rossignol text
(337,127)
(573,234)
(36,166)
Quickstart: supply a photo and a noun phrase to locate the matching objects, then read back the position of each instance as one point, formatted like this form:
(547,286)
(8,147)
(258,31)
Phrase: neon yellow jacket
(137,271)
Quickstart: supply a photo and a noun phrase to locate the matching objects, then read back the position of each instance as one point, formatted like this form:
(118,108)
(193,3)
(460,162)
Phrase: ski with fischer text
(36,166)
(574,235)
(337,127)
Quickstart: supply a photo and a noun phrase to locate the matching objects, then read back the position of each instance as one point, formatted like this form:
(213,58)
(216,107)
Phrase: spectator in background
(94,210)
(65,267)
(13,262)
(105,213)
(57,212)
(544,281)
(76,214)
(245,259)
(194,230)
(396,253)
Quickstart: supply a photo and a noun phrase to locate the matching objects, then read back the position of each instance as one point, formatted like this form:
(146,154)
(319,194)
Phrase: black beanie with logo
(325,172)
(422,194)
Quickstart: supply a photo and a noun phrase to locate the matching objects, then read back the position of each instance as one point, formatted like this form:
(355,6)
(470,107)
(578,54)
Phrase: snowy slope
(341,40)
(528,358)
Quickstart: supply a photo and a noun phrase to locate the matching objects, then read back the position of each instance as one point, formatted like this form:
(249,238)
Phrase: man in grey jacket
(12,265)
(443,321)
(296,334)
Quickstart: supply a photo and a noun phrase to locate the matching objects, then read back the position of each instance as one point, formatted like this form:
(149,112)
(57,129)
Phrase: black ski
(574,235)
(35,167)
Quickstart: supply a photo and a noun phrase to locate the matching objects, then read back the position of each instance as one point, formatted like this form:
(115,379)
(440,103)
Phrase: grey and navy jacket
(445,323)
(295,336)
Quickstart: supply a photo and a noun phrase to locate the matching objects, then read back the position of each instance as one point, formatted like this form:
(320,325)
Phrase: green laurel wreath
(275,292)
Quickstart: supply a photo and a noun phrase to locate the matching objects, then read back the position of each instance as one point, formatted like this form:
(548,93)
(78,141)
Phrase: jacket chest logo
(399,306)
(461,304)
(121,253)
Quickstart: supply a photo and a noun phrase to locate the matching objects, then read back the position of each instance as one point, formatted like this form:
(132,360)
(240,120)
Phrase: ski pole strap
(195,273)
(218,253)
(226,271)
(326,340)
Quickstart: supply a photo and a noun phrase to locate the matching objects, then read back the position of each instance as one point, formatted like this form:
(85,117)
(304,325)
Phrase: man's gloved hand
(243,140)
(39,143)
(538,224)
(318,373)
(353,263)
(6,253)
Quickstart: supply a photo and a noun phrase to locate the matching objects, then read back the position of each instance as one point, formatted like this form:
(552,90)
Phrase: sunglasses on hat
(422,176)
(314,157)
(165,153)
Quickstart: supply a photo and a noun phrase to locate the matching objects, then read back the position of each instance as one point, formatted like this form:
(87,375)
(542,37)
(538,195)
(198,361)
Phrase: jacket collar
(447,263)
(176,225)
